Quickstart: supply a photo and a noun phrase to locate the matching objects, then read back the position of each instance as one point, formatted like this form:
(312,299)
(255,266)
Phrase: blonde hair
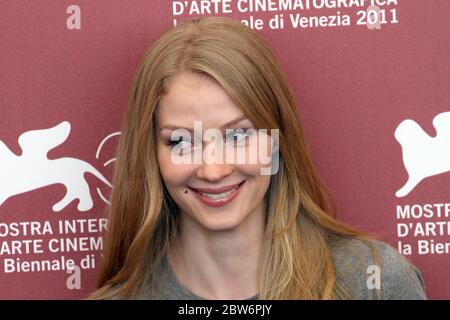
(143,222)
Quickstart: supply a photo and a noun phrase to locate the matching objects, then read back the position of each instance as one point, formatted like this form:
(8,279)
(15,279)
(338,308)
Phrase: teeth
(216,196)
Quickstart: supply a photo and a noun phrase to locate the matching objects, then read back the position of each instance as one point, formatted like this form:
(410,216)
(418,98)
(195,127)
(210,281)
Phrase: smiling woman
(224,230)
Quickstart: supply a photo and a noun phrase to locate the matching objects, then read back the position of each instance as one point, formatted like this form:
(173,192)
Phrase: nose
(214,172)
(211,169)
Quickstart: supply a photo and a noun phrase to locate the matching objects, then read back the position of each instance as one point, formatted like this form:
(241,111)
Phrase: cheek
(257,158)
(250,170)
(174,175)
(259,182)
(257,154)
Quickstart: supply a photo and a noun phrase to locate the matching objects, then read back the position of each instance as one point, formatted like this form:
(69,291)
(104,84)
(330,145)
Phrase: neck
(219,264)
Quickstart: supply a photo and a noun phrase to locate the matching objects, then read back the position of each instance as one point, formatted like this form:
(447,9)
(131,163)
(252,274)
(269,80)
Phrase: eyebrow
(224,126)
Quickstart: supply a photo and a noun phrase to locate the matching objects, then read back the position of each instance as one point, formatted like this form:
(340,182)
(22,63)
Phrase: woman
(184,229)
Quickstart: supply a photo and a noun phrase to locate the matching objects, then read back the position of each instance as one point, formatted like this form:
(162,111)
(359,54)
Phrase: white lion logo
(33,170)
(424,156)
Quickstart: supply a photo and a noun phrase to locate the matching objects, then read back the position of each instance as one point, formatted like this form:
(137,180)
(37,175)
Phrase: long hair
(297,258)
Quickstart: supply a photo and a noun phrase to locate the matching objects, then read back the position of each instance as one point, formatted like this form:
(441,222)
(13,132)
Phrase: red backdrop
(69,69)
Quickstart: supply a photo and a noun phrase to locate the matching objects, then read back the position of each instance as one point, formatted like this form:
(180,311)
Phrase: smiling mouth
(220,195)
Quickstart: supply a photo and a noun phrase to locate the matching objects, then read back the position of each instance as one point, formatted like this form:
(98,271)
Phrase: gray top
(399,278)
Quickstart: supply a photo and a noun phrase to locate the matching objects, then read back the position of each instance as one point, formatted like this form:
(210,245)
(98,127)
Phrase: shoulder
(363,266)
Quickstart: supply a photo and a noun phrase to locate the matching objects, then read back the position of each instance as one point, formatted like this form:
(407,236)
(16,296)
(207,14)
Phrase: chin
(228,223)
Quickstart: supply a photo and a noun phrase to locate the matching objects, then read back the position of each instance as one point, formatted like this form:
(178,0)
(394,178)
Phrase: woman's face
(217,195)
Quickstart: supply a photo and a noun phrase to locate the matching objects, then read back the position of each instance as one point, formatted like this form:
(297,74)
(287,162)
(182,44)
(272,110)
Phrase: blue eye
(237,135)
(179,143)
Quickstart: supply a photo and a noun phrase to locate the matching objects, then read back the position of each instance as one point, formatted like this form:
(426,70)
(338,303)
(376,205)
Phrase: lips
(217,190)
(217,197)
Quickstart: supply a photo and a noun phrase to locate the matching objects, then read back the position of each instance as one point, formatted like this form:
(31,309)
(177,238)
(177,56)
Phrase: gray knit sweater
(399,278)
